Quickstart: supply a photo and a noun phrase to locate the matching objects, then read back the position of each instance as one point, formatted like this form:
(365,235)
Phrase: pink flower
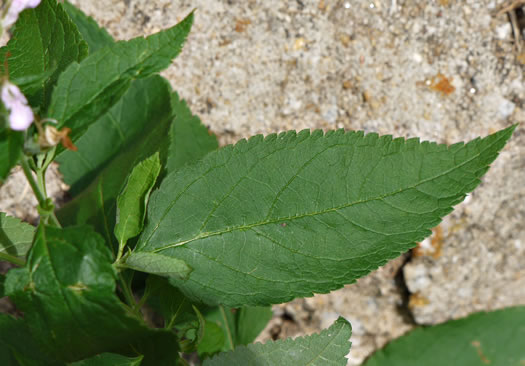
(16,8)
(20,114)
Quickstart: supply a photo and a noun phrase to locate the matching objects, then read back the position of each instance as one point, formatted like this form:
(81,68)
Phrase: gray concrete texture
(445,71)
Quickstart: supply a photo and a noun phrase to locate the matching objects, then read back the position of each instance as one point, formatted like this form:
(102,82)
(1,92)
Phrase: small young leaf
(11,144)
(109,359)
(294,214)
(190,139)
(15,236)
(95,36)
(158,264)
(494,338)
(326,348)
(131,203)
(44,39)
(87,90)
(67,294)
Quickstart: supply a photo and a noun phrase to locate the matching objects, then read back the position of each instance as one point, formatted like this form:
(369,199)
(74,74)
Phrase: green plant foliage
(299,213)
(67,294)
(144,108)
(169,302)
(327,348)
(109,359)
(158,264)
(190,139)
(96,204)
(87,90)
(44,39)
(131,203)
(239,326)
(11,143)
(17,345)
(95,36)
(15,236)
(250,321)
(494,338)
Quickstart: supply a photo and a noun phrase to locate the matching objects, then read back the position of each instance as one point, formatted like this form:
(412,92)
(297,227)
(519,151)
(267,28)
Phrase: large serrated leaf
(67,295)
(15,236)
(271,219)
(327,348)
(494,338)
(87,90)
(44,39)
(95,36)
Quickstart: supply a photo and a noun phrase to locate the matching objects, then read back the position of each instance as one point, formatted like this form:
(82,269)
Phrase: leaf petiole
(12,259)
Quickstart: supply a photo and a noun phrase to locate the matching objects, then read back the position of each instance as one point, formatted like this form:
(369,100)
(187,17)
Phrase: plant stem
(40,196)
(34,186)
(128,295)
(12,259)
(226,326)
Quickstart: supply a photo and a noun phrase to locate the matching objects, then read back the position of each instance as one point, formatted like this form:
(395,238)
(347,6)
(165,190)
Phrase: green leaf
(250,321)
(239,326)
(67,295)
(17,345)
(294,214)
(212,342)
(2,288)
(168,301)
(86,90)
(190,139)
(131,203)
(109,359)
(327,348)
(144,106)
(44,39)
(95,36)
(143,135)
(11,144)
(494,338)
(15,236)
(158,264)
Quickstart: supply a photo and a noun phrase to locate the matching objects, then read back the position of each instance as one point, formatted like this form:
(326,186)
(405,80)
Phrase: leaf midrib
(321,212)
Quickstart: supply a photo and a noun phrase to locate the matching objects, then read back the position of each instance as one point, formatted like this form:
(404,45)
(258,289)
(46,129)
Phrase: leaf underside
(494,338)
(293,214)
(327,348)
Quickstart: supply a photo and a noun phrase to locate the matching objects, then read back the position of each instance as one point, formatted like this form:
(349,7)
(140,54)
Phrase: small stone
(503,31)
